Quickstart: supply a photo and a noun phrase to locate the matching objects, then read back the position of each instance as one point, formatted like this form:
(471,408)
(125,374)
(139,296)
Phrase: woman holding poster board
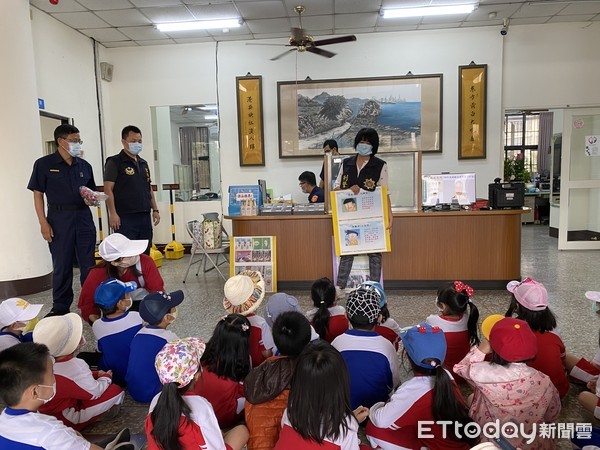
(363,171)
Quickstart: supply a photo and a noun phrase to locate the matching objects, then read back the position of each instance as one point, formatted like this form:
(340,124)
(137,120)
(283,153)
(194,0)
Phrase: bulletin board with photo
(360,222)
(256,253)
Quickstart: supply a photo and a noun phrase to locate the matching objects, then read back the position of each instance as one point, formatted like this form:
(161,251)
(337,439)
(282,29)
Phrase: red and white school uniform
(81,396)
(456,332)
(586,371)
(225,395)
(202,432)
(394,425)
(338,322)
(261,339)
(389,330)
(291,439)
(550,359)
(149,280)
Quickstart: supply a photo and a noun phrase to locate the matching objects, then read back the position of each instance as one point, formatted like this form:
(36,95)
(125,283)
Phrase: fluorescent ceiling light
(427,11)
(211,117)
(198,25)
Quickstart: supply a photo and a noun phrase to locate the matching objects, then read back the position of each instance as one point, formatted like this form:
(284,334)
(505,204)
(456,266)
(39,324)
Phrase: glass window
(186,139)
(521,138)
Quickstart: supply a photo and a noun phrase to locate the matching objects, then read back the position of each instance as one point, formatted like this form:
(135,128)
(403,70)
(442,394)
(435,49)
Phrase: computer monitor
(448,188)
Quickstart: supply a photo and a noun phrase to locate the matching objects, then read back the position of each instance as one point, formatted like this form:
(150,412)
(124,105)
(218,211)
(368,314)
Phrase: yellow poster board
(360,222)
(258,253)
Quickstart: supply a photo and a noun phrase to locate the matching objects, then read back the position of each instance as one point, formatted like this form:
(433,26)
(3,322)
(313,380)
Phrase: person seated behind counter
(308,184)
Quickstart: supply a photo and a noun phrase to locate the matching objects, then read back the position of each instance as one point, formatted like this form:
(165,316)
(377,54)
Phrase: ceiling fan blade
(335,40)
(273,45)
(297,34)
(283,54)
(320,51)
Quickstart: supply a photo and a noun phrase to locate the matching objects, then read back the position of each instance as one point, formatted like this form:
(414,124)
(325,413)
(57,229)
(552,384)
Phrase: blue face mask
(74,149)
(135,148)
(364,149)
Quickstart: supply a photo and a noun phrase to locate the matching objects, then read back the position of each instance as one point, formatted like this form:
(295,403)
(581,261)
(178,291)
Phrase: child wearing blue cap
(117,327)
(158,310)
(431,395)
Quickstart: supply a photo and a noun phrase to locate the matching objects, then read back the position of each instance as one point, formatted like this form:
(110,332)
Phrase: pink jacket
(515,393)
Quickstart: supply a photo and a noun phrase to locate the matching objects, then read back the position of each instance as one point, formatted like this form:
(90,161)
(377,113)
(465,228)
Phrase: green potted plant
(514,170)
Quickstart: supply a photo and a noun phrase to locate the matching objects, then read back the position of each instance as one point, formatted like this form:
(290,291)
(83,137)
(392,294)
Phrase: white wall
(545,65)
(554,65)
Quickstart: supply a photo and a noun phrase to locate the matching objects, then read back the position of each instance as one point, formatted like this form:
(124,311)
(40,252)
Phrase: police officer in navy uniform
(308,183)
(127,184)
(68,227)
(362,171)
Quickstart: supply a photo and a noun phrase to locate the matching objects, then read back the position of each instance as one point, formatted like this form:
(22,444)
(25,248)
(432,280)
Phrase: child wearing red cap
(507,389)
(530,303)
(458,319)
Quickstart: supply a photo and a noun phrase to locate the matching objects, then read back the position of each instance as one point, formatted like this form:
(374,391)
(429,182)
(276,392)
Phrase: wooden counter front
(482,248)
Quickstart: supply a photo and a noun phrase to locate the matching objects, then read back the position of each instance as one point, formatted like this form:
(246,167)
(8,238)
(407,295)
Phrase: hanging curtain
(545,142)
(193,144)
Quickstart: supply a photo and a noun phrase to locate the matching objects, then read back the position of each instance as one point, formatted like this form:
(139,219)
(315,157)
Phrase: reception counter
(482,248)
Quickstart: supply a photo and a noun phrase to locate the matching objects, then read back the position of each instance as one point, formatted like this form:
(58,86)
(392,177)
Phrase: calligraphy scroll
(250,123)
(472,104)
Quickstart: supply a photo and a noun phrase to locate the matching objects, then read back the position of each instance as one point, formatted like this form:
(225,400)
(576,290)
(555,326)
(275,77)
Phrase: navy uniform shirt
(132,190)
(60,181)
(317,195)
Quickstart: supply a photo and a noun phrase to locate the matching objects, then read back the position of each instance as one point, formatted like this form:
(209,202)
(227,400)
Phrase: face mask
(130,305)
(46,400)
(135,148)
(174,315)
(129,261)
(74,149)
(437,305)
(364,149)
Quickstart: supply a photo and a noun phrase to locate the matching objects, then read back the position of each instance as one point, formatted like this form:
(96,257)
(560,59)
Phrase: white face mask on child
(46,400)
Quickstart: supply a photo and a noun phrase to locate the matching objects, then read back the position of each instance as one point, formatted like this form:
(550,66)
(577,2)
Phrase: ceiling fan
(303,42)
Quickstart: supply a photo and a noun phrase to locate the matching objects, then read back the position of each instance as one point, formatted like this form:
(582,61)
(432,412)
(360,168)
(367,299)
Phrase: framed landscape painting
(406,111)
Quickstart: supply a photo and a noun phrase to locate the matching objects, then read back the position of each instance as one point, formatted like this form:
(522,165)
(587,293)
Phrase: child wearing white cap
(244,293)
(15,314)
(81,397)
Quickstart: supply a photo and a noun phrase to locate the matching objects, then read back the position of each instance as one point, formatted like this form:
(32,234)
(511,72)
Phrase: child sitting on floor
(429,396)
(225,364)
(244,293)
(267,386)
(158,310)
(530,303)
(318,414)
(328,319)
(117,327)
(82,396)
(26,383)
(458,324)
(15,315)
(178,417)
(386,327)
(507,389)
(371,359)
(580,369)
(280,303)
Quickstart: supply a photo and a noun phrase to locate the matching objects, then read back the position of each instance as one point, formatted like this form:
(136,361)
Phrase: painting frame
(352,108)
(472,111)
(250,121)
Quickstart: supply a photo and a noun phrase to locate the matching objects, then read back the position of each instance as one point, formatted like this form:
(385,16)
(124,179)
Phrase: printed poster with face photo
(360,222)
(255,253)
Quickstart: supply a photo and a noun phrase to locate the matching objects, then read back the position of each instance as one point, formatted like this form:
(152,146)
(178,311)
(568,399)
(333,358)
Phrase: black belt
(56,207)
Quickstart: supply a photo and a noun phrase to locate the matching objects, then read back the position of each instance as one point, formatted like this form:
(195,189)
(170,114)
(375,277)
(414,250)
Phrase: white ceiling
(124,23)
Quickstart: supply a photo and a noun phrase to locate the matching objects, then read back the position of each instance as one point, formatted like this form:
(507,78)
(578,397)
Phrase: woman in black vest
(362,171)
